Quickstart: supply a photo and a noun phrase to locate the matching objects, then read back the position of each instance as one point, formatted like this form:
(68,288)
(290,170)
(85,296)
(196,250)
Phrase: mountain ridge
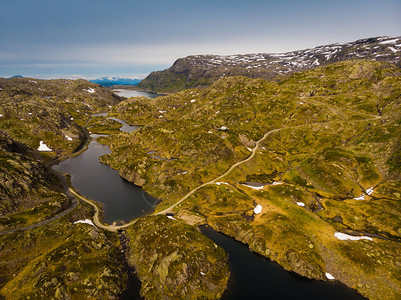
(202,70)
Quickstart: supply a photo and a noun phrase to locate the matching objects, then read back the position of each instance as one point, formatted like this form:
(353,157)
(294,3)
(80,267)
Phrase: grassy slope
(61,260)
(355,146)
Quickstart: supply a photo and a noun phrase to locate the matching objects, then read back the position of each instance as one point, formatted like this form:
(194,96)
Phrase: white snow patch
(301,102)
(329,276)
(389,41)
(203,273)
(162,111)
(1,115)
(90,90)
(88,105)
(160,116)
(209,132)
(369,191)
(223,128)
(393,49)
(68,138)
(193,100)
(32,81)
(344,237)
(300,204)
(171,218)
(258,209)
(219,183)
(277,183)
(249,149)
(71,118)
(254,187)
(43,147)
(362,197)
(86,221)
(217,112)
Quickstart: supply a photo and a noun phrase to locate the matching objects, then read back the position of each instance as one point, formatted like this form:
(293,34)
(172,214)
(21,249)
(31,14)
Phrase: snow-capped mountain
(202,70)
(109,81)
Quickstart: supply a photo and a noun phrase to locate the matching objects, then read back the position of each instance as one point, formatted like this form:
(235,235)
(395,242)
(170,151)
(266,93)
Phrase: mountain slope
(51,111)
(202,70)
(328,164)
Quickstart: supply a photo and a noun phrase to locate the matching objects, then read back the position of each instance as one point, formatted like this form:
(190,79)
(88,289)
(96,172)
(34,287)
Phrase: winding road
(74,204)
(115,228)
(213,181)
(74,196)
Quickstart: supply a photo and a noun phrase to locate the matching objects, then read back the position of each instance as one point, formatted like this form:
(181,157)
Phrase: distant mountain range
(109,81)
(203,70)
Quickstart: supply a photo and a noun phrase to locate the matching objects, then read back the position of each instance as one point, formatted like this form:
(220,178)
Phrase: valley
(299,161)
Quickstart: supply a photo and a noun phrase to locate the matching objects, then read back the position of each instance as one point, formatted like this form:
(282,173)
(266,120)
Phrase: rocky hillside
(203,70)
(323,165)
(175,261)
(52,112)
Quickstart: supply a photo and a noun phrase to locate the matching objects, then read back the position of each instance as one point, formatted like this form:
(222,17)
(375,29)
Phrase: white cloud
(143,54)
(87,77)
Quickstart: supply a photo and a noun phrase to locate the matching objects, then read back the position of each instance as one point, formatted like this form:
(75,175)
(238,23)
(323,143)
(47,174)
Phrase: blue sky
(130,38)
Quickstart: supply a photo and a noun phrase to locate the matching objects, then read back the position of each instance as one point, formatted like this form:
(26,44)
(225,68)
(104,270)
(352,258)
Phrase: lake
(133,93)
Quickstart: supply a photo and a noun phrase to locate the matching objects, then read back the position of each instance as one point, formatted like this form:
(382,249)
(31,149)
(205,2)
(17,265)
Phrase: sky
(130,38)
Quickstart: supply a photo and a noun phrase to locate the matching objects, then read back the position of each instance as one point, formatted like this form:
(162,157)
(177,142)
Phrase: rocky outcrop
(175,261)
(51,111)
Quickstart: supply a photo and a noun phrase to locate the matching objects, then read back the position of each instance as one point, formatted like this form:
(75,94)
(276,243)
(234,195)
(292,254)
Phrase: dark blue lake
(255,277)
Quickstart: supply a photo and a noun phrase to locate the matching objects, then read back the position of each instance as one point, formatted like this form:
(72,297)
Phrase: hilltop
(203,70)
(316,154)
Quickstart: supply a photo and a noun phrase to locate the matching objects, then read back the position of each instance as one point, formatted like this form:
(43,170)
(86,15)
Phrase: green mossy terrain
(103,125)
(175,261)
(29,192)
(52,111)
(333,133)
(61,260)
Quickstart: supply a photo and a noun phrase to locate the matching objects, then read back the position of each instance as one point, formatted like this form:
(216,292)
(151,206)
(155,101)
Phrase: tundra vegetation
(48,254)
(317,153)
(330,163)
